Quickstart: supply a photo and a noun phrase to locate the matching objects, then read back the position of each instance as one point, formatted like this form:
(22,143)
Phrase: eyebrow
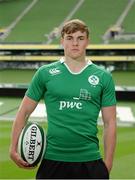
(77,36)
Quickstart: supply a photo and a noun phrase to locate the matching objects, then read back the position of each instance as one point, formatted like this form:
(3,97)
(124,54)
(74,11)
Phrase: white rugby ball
(32,143)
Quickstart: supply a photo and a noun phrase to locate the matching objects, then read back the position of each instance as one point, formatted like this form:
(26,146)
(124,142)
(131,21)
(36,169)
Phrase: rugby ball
(32,143)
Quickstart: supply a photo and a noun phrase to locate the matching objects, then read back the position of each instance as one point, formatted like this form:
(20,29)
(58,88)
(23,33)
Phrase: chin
(75,56)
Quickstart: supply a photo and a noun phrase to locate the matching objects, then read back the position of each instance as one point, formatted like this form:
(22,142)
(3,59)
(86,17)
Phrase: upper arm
(108,114)
(28,105)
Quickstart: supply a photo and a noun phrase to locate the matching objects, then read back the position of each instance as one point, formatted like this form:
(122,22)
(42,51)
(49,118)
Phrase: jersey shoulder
(100,69)
(100,73)
(51,67)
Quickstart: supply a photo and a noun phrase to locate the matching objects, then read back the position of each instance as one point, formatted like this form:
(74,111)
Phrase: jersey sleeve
(37,86)
(108,94)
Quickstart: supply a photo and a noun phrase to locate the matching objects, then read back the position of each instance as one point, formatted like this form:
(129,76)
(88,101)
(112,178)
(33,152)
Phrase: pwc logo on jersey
(84,95)
(70,105)
(54,71)
(93,80)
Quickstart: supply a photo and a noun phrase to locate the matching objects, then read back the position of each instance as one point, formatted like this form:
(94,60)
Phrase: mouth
(75,49)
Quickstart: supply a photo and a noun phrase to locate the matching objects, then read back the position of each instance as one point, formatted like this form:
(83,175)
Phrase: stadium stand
(111,56)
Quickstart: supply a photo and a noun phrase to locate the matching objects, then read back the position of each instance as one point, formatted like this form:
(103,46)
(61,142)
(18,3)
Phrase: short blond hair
(73,26)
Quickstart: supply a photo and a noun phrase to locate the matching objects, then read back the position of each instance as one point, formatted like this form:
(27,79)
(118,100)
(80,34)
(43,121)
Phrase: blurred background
(29,38)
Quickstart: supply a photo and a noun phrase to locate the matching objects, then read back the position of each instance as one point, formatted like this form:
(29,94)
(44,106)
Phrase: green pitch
(124,161)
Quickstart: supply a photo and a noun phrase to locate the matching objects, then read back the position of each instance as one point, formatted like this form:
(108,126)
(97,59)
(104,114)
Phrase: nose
(75,42)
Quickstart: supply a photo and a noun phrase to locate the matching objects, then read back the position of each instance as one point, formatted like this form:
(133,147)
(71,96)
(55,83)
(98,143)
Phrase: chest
(68,86)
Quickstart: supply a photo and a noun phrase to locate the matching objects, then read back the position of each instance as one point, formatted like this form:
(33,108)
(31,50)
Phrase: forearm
(26,108)
(18,124)
(109,143)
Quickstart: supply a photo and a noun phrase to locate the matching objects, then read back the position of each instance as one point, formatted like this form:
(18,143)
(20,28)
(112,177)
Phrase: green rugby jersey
(73,102)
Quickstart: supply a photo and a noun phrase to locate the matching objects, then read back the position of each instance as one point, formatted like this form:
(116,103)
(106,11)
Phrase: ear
(61,40)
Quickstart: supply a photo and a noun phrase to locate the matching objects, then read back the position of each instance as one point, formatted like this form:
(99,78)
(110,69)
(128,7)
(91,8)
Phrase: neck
(75,65)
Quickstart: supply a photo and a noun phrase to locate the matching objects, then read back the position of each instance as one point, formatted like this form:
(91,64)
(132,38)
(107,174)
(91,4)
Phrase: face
(75,44)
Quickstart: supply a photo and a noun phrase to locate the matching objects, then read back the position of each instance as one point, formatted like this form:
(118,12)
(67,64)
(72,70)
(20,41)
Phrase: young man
(74,90)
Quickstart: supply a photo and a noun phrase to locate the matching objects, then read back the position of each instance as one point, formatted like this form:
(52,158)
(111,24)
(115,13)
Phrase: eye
(81,38)
(69,37)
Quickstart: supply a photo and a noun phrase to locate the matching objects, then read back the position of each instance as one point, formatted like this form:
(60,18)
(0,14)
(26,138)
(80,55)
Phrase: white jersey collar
(62,60)
(89,62)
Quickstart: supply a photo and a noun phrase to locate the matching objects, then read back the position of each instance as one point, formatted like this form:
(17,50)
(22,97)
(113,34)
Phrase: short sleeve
(37,86)
(108,94)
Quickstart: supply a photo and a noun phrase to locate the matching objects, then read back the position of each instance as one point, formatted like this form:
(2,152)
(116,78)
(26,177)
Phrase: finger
(24,164)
